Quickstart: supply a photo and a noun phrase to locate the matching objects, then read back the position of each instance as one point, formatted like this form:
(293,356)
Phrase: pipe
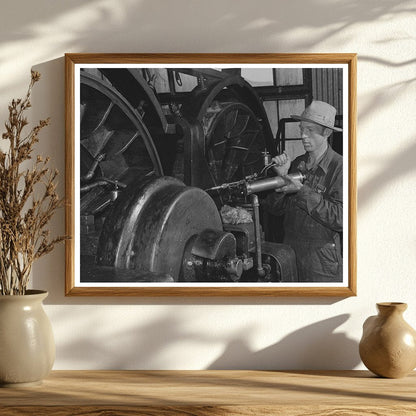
(86,188)
(102,182)
(255,204)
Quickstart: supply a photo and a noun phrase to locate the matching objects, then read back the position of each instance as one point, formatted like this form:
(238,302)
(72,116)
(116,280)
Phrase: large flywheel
(116,147)
(228,131)
(116,150)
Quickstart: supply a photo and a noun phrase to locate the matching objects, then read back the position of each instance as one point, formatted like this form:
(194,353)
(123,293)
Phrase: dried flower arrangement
(28,199)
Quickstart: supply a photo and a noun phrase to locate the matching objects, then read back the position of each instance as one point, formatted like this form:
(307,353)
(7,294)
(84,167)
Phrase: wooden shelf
(208,393)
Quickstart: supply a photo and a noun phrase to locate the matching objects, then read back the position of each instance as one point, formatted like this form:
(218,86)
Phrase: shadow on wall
(144,21)
(313,347)
(146,346)
(158,341)
(396,167)
(51,28)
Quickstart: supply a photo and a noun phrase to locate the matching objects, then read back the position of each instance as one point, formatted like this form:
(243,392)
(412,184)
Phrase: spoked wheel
(116,150)
(116,147)
(234,141)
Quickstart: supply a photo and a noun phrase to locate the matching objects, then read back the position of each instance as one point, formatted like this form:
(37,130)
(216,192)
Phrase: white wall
(200,333)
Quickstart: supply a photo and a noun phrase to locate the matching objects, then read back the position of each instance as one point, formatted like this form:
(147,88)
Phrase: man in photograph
(313,209)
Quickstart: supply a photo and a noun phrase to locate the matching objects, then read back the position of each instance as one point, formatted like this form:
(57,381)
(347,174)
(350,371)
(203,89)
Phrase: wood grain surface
(206,393)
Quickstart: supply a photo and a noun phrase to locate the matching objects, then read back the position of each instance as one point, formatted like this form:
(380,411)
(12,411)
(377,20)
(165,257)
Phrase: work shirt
(313,218)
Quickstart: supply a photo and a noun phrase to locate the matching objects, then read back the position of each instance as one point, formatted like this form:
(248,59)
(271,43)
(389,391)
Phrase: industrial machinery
(147,159)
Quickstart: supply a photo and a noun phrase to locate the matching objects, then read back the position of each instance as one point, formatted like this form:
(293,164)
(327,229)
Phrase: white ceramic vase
(27,346)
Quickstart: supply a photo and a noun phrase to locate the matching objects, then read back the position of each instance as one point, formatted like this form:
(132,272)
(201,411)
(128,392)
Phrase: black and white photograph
(210,177)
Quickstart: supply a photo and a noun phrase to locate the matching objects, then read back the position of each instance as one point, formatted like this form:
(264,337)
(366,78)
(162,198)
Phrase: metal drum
(151,223)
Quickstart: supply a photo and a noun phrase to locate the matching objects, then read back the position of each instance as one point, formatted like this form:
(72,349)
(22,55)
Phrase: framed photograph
(211,174)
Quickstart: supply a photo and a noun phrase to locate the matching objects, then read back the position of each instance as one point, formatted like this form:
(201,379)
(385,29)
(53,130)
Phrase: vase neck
(390,308)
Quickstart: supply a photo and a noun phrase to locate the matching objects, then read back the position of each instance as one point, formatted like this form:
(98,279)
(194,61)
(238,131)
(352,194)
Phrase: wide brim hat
(320,113)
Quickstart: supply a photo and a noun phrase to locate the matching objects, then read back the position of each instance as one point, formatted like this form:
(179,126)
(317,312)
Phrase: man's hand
(292,185)
(282,164)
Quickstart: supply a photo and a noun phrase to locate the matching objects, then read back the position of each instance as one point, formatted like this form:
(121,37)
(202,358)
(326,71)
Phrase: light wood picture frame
(158,144)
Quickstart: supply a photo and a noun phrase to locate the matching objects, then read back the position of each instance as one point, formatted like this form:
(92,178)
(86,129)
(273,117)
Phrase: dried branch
(23,218)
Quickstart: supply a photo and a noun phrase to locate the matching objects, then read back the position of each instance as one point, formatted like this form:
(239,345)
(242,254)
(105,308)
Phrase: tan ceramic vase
(27,347)
(388,344)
